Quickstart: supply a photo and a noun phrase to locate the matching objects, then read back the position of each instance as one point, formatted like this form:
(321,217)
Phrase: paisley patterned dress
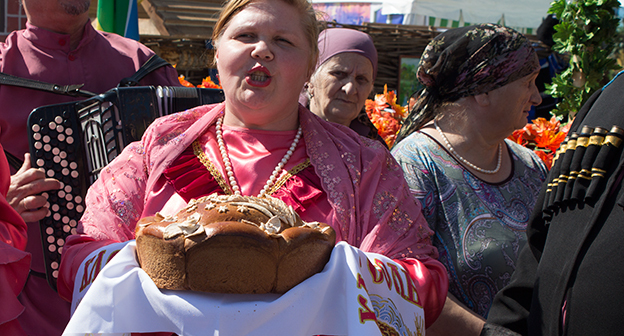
(479,226)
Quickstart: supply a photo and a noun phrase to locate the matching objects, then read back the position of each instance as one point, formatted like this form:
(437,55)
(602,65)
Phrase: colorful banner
(345,13)
(90,268)
(118,16)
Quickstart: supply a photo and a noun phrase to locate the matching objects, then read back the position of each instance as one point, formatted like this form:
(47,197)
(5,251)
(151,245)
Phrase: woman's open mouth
(259,77)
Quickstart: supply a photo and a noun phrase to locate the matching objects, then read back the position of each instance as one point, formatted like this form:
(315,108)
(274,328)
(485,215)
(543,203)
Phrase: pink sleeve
(392,219)
(14,262)
(114,204)
(432,281)
(398,229)
(76,249)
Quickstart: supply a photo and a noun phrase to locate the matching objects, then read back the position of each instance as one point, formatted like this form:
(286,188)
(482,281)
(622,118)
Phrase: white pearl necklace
(471,165)
(228,164)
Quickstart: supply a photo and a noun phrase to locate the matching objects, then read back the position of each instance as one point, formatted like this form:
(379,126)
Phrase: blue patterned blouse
(479,226)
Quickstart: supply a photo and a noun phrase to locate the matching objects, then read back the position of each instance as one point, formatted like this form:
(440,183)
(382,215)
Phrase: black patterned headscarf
(465,62)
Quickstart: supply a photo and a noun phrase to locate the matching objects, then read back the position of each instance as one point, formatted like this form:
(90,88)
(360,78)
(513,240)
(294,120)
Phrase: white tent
(512,13)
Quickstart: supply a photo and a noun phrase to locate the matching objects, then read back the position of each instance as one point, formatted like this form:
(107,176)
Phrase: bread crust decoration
(233,244)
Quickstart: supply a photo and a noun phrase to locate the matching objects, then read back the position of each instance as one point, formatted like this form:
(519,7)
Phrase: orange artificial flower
(543,137)
(184,82)
(386,115)
(565,129)
(547,158)
(542,125)
(550,140)
(391,100)
(206,83)
(518,137)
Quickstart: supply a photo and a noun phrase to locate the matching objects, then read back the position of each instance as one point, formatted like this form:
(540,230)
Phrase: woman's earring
(306,86)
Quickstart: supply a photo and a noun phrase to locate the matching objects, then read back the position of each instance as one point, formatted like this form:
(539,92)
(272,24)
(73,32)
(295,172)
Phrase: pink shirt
(100,61)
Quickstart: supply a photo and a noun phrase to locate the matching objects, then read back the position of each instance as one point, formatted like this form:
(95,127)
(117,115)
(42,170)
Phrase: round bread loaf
(232,244)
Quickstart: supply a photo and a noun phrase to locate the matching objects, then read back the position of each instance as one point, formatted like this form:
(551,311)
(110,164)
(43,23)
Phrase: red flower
(543,137)
(518,137)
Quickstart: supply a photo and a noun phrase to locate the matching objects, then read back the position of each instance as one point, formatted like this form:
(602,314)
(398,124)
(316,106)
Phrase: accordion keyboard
(73,141)
(56,150)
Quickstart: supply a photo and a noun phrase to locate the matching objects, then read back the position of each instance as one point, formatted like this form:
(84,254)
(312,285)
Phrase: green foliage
(408,83)
(586,32)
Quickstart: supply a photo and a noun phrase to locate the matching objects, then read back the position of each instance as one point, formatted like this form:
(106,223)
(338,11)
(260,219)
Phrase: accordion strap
(74,90)
(150,65)
(69,90)
(14,162)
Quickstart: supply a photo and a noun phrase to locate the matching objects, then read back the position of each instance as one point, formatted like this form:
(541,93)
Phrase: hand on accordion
(27,191)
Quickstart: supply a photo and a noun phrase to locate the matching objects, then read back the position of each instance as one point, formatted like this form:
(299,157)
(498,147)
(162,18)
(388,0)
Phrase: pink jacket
(371,205)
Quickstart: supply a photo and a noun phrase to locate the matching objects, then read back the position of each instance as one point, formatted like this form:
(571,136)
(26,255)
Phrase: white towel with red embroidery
(356,294)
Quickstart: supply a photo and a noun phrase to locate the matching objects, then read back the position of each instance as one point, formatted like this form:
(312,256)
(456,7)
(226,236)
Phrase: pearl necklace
(471,165)
(228,164)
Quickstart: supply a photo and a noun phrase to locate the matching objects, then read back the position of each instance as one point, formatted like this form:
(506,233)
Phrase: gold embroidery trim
(211,168)
(293,171)
(226,187)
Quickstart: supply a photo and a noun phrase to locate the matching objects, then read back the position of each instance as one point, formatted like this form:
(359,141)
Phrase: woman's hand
(25,190)
(456,319)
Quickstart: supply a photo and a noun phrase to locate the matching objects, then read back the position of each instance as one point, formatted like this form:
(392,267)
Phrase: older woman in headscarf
(343,79)
(477,189)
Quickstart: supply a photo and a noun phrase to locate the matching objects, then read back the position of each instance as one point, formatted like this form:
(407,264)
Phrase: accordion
(73,141)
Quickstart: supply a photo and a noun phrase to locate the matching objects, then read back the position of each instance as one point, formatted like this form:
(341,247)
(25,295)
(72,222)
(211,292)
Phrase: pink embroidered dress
(14,262)
(334,176)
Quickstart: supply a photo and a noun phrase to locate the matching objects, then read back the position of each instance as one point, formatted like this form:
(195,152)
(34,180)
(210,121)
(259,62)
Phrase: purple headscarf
(334,41)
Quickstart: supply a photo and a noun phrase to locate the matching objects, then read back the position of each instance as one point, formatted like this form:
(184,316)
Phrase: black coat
(576,254)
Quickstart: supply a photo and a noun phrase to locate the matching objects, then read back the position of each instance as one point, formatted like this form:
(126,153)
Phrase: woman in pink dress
(261,142)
